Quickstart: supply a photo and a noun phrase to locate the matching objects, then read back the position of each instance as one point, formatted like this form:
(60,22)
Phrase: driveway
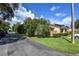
(15,45)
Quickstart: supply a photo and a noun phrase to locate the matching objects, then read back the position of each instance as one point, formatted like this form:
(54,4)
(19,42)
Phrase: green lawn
(60,44)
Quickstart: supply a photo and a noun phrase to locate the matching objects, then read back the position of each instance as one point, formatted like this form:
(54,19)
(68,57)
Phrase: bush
(57,35)
(60,34)
(21,29)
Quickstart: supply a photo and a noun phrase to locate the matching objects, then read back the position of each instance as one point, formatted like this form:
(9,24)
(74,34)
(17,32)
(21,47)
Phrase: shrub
(60,34)
(21,29)
(42,31)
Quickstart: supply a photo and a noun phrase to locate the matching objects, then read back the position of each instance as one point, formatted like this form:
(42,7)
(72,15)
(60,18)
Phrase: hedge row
(60,34)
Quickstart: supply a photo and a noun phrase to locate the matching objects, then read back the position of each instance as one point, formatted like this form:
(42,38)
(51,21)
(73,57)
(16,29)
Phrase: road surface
(15,45)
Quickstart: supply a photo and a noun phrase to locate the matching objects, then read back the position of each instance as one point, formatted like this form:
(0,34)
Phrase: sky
(59,13)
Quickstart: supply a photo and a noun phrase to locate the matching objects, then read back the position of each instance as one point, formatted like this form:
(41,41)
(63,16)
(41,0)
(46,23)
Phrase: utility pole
(72,22)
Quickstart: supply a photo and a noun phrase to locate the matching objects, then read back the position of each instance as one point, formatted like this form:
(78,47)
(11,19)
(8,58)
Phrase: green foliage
(15,26)
(21,29)
(60,34)
(59,44)
(43,28)
(7,10)
(42,31)
(77,24)
(37,27)
(4,25)
(30,25)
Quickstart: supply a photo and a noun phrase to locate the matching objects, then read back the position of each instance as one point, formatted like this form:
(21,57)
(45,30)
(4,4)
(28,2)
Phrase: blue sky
(59,13)
(45,9)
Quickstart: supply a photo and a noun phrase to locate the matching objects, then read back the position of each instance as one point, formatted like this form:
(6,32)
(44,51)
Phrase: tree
(77,24)
(30,25)
(42,28)
(7,10)
(36,27)
(21,29)
(18,28)
(15,26)
(4,25)
(42,31)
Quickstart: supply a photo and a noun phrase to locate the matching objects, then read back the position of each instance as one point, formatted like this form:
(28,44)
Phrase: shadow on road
(11,38)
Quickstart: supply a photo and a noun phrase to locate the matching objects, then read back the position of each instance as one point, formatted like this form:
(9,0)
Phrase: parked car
(76,36)
(2,33)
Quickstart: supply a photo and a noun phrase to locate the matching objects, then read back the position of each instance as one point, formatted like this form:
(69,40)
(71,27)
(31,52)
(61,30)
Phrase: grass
(60,44)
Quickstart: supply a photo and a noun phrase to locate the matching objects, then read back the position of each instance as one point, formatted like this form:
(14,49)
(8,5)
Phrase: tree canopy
(77,24)
(4,25)
(15,26)
(7,10)
(32,27)
(36,26)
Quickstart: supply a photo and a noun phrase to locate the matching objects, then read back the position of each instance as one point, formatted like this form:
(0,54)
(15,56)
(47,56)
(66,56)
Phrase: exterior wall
(53,30)
(56,30)
(69,30)
(64,31)
(51,33)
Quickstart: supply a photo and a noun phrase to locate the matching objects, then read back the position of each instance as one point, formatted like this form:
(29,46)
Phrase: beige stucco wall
(55,30)
(64,31)
(69,30)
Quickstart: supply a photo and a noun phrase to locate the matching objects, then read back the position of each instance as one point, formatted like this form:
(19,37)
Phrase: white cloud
(54,8)
(14,19)
(67,20)
(54,21)
(21,14)
(64,21)
(41,16)
(30,14)
(60,14)
(37,17)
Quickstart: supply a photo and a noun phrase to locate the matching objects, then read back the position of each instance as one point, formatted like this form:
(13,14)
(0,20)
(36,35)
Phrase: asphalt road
(15,45)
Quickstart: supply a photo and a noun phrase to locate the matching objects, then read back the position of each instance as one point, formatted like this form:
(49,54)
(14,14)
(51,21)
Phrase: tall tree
(36,26)
(15,26)
(42,28)
(4,25)
(30,25)
(7,10)
(21,29)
